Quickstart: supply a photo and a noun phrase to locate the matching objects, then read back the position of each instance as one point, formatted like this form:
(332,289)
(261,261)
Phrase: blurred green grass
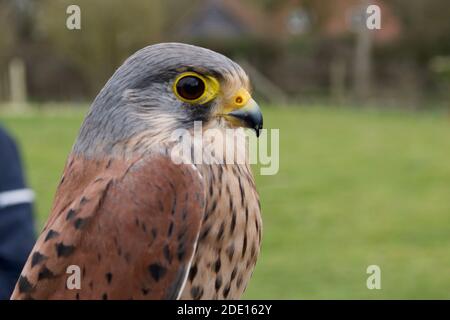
(355,188)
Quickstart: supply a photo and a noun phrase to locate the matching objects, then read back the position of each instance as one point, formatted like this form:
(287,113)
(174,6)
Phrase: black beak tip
(258,129)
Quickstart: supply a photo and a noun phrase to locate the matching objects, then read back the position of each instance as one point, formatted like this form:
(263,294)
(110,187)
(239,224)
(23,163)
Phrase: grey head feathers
(137,102)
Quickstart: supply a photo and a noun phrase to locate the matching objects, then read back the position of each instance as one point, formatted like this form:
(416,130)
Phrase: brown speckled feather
(131,227)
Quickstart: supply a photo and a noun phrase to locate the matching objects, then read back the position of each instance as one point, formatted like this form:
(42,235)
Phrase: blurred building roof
(347,16)
(222,19)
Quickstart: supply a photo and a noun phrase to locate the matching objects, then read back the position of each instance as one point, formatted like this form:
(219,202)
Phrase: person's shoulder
(6,140)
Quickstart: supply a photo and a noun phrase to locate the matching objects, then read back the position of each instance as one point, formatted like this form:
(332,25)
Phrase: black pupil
(190,87)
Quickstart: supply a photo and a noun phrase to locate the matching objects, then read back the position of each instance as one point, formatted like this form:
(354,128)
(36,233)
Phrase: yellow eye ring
(194,88)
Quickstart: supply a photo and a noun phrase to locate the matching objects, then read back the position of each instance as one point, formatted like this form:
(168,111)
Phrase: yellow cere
(238,100)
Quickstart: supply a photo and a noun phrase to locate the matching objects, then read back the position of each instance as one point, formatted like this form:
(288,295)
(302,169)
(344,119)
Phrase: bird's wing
(129,229)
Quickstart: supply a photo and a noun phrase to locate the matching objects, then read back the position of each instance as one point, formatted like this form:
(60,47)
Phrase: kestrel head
(165,87)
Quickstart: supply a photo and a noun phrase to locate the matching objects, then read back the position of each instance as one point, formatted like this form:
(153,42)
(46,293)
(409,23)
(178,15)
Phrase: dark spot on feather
(226,291)
(244,245)
(181,250)
(221,230)
(233,221)
(167,253)
(218,283)
(79,223)
(169,232)
(145,291)
(217,265)
(109,277)
(214,205)
(193,272)
(174,205)
(45,273)
(63,250)
(70,214)
(77,296)
(83,200)
(239,281)
(204,233)
(24,285)
(241,188)
(230,251)
(233,274)
(157,271)
(104,296)
(196,292)
(37,258)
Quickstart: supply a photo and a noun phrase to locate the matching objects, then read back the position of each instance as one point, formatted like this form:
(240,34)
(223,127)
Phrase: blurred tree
(110,31)
(7,43)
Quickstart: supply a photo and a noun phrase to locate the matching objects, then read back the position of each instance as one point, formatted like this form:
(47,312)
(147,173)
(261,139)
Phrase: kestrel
(136,223)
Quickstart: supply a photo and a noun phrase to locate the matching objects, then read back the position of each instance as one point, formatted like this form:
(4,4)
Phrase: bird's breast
(230,235)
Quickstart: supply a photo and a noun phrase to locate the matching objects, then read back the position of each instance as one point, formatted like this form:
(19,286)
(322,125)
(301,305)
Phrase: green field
(355,188)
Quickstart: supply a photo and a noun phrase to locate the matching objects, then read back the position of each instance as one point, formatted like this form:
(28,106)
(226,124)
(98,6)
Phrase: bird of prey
(137,224)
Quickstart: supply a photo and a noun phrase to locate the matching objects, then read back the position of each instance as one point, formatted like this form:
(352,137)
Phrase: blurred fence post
(17,84)
(362,64)
(337,80)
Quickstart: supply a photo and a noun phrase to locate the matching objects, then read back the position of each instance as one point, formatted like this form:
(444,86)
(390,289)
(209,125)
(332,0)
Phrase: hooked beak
(246,112)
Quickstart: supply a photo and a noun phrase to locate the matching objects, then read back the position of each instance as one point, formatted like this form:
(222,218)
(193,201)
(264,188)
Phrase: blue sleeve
(16,221)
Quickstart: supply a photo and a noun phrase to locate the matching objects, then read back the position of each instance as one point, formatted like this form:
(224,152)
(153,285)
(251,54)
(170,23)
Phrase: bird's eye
(190,87)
